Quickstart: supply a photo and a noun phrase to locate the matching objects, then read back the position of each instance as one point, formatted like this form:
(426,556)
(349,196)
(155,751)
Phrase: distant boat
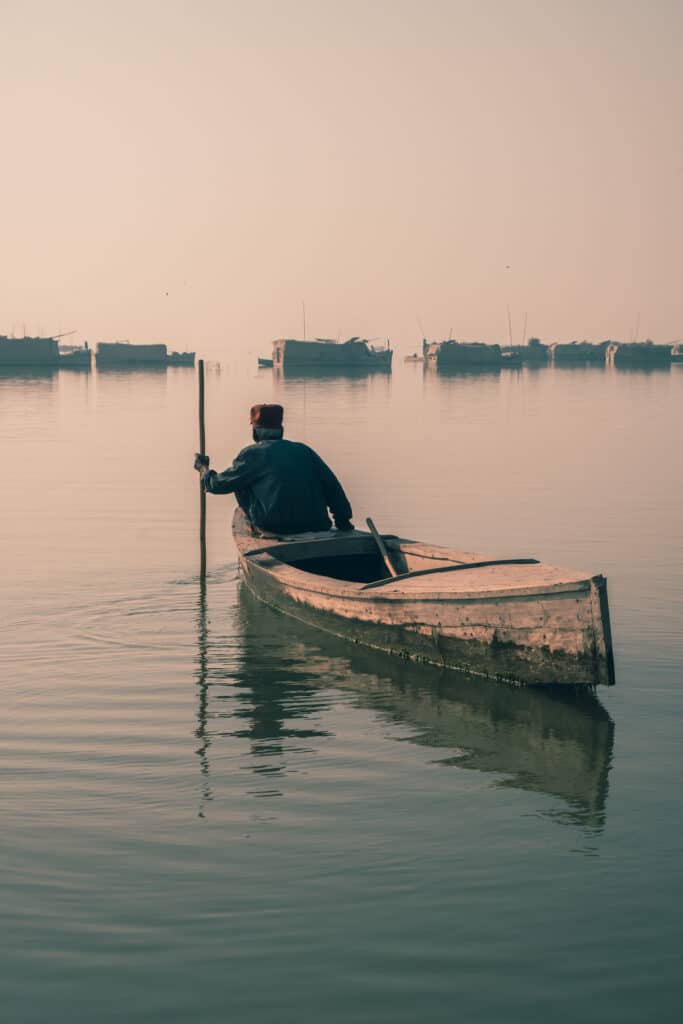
(71,357)
(264,363)
(122,353)
(643,354)
(180,359)
(328,354)
(581,353)
(515,620)
(414,358)
(461,355)
(28,352)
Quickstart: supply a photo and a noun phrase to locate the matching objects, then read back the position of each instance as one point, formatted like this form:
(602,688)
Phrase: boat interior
(356,558)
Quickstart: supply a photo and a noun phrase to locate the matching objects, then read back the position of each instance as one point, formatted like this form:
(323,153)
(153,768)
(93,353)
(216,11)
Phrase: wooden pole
(202,492)
(382,547)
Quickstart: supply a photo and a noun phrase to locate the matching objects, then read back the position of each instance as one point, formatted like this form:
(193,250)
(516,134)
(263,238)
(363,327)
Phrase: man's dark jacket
(284,487)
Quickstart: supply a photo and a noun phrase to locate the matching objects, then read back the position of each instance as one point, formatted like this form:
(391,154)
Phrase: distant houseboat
(74,357)
(326,354)
(642,354)
(578,353)
(114,354)
(28,352)
(461,355)
(180,359)
(534,353)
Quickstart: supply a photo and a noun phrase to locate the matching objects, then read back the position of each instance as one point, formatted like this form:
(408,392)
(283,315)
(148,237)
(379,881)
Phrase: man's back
(284,487)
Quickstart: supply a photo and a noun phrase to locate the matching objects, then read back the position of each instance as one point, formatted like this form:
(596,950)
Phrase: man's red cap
(269,416)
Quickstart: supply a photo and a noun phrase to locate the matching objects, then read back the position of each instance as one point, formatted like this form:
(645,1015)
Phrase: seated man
(283,486)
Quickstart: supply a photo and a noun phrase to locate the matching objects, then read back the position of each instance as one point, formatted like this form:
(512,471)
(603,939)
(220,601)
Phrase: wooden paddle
(382,546)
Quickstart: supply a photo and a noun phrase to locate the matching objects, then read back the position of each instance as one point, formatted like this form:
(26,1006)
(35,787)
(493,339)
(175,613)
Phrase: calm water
(211,813)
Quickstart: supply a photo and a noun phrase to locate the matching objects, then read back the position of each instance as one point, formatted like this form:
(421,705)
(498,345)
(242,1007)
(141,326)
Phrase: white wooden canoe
(517,620)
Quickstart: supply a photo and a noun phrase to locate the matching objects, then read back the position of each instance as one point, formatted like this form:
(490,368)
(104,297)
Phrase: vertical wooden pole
(202,492)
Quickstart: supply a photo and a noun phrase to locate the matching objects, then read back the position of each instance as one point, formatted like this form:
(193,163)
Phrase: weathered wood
(521,621)
(450,568)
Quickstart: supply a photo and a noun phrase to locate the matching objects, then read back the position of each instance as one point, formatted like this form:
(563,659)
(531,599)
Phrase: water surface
(211,812)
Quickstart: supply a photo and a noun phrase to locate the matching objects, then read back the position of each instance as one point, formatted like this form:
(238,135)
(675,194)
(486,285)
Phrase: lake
(212,813)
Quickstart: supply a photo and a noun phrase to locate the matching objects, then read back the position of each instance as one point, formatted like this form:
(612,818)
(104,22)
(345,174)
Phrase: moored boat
(115,354)
(180,359)
(328,354)
(74,357)
(517,619)
(28,352)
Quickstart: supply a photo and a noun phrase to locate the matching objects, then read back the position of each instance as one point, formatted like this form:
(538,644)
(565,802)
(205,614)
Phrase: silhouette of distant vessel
(180,359)
(264,363)
(114,354)
(326,353)
(75,357)
(461,355)
(29,352)
(638,354)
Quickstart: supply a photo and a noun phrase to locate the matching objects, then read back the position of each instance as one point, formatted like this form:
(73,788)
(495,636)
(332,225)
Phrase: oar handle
(381,545)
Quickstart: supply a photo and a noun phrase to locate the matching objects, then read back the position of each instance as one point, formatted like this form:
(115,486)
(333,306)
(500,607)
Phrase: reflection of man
(283,486)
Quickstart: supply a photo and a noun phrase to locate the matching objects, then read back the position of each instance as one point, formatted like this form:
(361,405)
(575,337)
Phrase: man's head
(266,422)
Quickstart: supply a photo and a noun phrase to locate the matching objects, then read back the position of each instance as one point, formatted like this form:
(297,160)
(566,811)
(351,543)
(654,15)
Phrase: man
(282,486)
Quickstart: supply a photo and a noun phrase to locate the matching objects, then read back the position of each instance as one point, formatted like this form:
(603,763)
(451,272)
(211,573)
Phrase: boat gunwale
(312,583)
(266,558)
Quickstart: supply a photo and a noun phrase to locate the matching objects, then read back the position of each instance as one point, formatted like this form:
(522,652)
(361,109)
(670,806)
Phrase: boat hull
(559,637)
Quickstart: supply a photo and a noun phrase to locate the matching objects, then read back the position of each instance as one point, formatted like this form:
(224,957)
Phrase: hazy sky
(190,172)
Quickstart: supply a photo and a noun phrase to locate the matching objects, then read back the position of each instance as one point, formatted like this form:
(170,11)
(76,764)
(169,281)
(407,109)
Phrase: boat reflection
(316,373)
(28,373)
(558,744)
(144,370)
(432,370)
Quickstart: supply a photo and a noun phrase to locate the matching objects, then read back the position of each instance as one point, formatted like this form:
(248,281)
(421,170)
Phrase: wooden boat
(515,619)
(264,363)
